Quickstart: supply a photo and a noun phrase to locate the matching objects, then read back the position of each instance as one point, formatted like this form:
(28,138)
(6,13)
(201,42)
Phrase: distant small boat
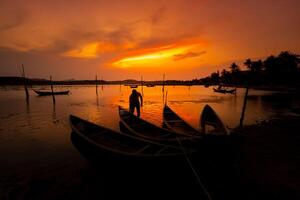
(45,93)
(210,118)
(224,91)
(133,86)
(150,85)
(173,122)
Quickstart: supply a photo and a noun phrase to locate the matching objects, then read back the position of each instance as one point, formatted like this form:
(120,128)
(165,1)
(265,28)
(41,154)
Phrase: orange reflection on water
(39,130)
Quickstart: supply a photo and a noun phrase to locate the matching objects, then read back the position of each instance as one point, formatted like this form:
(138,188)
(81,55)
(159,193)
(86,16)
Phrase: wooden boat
(134,125)
(127,162)
(45,93)
(224,91)
(173,122)
(133,86)
(206,85)
(98,143)
(150,85)
(210,118)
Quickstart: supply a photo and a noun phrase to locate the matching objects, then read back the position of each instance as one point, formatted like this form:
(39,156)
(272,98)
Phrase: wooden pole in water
(52,89)
(142,85)
(25,82)
(166,97)
(244,108)
(101,83)
(163,87)
(96,85)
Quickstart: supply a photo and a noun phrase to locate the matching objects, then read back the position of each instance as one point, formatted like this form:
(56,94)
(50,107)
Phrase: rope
(193,169)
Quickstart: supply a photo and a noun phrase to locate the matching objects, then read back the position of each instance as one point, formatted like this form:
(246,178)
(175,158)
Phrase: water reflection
(36,132)
(54,117)
(101,107)
(97,100)
(27,106)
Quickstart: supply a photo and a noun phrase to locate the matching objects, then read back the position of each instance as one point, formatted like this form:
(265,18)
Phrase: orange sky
(119,39)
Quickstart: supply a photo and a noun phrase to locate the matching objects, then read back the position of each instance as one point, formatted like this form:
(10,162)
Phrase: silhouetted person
(134,102)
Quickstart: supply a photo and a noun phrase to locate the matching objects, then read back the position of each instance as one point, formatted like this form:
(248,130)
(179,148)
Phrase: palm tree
(288,61)
(215,77)
(270,64)
(257,66)
(248,64)
(234,68)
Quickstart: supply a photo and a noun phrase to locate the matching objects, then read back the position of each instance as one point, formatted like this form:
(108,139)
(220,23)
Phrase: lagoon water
(35,146)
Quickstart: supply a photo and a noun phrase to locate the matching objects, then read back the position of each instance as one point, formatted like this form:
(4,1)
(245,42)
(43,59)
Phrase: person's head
(134,91)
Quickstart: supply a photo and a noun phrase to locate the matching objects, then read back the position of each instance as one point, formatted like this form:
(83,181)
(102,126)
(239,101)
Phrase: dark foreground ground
(269,161)
(262,162)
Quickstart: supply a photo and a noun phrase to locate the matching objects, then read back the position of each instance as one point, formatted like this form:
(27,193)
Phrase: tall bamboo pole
(96,85)
(244,108)
(25,82)
(163,87)
(142,85)
(53,97)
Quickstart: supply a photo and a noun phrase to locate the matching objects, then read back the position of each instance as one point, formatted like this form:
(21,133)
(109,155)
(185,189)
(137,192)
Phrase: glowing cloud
(169,53)
(88,51)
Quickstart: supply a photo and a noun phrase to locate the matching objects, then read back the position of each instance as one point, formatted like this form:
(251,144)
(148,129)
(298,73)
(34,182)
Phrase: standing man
(134,102)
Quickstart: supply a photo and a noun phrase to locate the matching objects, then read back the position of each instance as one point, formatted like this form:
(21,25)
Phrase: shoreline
(268,162)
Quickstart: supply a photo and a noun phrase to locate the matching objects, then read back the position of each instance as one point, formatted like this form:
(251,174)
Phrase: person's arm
(141,100)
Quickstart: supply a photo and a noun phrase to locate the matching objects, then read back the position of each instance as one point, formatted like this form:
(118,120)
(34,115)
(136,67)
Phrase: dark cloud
(158,15)
(10,22)
(188,55)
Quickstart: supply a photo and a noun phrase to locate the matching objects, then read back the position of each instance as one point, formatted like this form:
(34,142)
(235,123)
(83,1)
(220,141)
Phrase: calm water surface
(35,135)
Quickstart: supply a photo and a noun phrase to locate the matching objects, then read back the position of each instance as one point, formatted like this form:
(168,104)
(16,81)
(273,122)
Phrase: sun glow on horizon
(156,57)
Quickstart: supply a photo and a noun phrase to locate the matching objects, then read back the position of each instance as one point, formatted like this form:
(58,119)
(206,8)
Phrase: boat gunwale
(186,123)
(175,134)
(225,131)
(105,147)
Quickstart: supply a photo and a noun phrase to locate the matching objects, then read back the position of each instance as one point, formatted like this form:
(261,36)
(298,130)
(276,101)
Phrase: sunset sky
(120,39)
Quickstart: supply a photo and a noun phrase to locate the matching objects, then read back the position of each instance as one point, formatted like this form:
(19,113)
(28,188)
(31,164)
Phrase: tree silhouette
(283,69)
(270,64)
(288,61)
(215,77)
(234,68)
(248,64)
(257,66)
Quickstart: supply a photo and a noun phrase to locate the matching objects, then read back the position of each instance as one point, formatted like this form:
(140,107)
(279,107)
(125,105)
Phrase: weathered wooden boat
(150,85)
(210,118)
(174,122)
(45,93)
(127,162)
(133,86)
(134,125)
(224,91)
(98,143)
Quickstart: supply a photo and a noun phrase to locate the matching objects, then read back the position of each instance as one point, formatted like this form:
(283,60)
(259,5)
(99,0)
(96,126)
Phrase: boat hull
(224,91)
(47,93)
(175,123)
(210,118)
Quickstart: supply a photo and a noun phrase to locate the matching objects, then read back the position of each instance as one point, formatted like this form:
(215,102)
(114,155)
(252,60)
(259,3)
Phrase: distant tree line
(283,69)
(20,81)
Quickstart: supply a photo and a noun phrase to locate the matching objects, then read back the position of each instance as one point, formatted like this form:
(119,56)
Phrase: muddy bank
(268,160)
